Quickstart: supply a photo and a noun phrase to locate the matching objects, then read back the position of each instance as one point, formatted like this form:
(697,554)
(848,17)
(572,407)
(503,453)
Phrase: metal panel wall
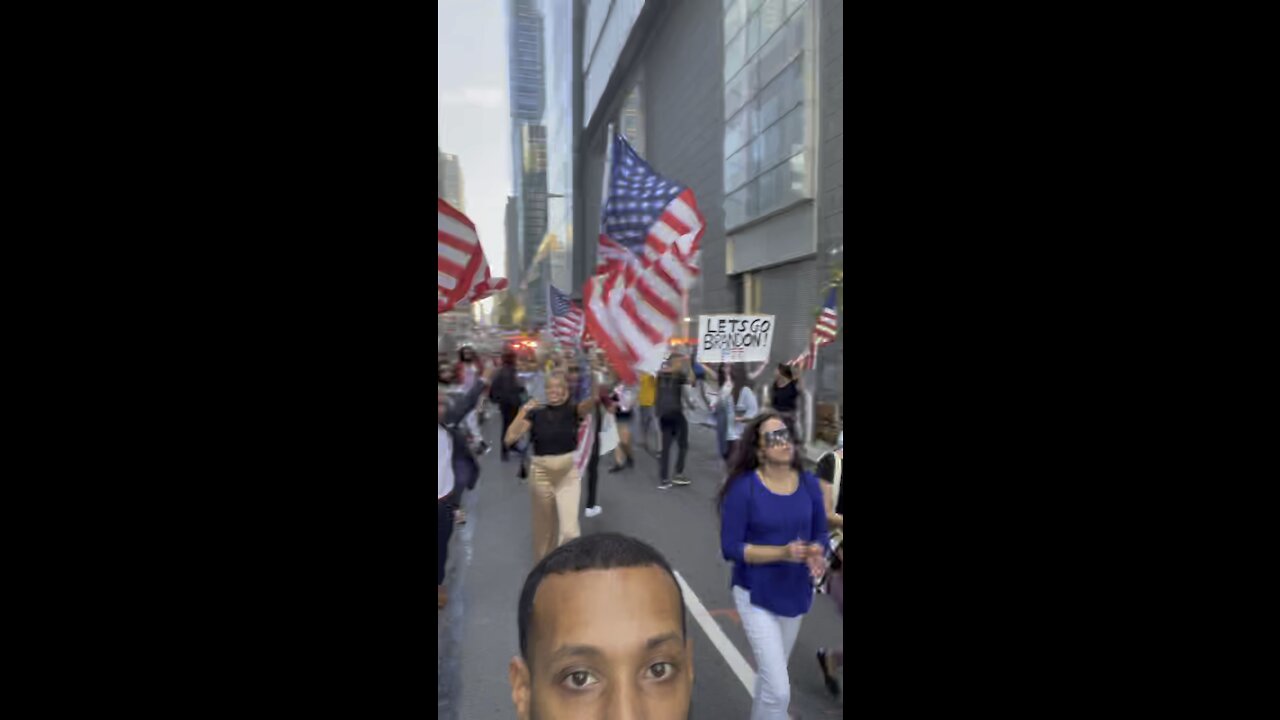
(791,293)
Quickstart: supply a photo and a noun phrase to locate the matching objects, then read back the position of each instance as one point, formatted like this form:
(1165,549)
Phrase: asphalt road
(490,556)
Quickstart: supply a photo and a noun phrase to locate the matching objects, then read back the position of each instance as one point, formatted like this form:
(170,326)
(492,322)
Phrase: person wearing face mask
(555,486)
(773,529)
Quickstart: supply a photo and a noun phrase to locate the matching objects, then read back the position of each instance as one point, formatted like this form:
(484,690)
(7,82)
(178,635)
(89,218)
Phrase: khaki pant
(556,489)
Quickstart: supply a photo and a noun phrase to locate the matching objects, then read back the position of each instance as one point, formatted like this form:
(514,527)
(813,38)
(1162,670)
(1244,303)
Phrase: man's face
(605,644)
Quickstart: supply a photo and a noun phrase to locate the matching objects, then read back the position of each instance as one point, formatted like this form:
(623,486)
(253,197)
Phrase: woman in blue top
(773,527)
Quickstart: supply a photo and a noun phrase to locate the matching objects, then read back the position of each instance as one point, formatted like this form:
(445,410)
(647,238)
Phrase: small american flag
(586,440)
(650,230)
(824,331)
(462,273)
(566,318)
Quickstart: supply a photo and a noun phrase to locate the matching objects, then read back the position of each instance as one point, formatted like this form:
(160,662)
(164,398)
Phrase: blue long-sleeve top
(753,514)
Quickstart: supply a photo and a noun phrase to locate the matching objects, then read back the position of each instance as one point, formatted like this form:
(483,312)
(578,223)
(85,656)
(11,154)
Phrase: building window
(767,103)
(631,119)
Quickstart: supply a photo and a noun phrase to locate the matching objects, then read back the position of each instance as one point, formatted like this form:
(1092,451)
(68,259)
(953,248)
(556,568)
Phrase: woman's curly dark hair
(745,460)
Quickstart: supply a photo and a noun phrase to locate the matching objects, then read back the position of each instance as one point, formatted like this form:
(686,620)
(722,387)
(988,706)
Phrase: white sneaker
(593,511)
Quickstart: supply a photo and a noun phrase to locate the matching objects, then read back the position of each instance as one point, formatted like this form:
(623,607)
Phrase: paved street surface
(490,557)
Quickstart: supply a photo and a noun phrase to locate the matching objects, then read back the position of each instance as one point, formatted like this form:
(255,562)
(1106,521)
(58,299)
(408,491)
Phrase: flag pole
(604,199)
(604,183)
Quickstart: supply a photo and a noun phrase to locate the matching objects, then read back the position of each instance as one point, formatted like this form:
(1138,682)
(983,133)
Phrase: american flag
(462,273)
(586,441)
(566,318)
(650,231)
(824,331)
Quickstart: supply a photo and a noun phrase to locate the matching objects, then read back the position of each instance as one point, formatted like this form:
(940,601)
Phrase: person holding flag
(555,429)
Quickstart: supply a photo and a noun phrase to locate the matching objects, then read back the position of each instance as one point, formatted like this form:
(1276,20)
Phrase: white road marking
(721,641)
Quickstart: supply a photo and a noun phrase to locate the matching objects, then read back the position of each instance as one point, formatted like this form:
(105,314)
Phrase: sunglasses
(777,438)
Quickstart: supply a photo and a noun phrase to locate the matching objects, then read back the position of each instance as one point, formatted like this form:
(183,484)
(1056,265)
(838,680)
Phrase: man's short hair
(602,551)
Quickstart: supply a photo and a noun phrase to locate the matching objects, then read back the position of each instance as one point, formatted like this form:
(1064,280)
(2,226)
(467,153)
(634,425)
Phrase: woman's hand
(817,560)
(797,551)
(529,407)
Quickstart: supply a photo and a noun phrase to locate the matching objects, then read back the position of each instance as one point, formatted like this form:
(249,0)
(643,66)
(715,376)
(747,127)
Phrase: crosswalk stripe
(721,641)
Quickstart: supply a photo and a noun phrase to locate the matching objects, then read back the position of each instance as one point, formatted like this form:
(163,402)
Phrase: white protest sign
(735,338)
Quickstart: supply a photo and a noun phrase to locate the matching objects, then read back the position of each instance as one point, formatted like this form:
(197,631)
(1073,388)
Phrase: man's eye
(661,671)
(579,680)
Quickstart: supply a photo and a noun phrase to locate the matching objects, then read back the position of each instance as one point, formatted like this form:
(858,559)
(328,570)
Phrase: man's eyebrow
(579,650)
(655,642)
(575,650)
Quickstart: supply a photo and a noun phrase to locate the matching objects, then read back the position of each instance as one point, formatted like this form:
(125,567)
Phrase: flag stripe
(462,272)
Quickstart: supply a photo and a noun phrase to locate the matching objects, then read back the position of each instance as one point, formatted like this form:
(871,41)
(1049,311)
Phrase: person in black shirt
(670,407)
(556,486)
(508,393)
(786,390)
(831,660)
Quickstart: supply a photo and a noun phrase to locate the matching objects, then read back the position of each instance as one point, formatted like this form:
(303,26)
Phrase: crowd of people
(781,526)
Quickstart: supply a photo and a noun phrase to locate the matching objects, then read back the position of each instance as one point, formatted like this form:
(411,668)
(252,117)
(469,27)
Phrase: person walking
(606,441)
(624,400)
(773,528)
(670,403)
(831,472)
(508,393)
(556,487)
(648,394)
(456,469)
(466,375)
(784,395)
(722,409)
(743,406)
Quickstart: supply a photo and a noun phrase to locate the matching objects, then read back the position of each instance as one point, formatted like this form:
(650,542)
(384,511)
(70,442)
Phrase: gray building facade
(741,100)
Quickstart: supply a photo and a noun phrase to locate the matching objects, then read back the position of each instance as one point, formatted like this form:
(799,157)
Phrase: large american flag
(650,231)
(462,273)
(824,331)
(566,318)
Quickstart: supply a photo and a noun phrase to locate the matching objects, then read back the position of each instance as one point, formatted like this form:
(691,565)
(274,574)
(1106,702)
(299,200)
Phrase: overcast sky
(474,121)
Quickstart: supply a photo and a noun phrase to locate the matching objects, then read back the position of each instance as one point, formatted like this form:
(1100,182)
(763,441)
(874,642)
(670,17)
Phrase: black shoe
(832,686)
(617,468)
(665,485)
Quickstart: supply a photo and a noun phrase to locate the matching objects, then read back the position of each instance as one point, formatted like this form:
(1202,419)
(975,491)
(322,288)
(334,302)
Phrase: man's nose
(625,703)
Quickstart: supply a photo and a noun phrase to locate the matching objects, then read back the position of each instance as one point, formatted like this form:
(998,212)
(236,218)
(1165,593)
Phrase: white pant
(472,423)
(772,638)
